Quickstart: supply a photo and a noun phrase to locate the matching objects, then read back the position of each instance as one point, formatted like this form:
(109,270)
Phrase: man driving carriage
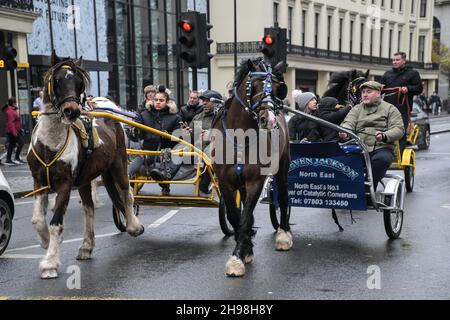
(379,125)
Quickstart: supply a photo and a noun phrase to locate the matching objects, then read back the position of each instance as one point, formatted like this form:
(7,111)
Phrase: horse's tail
(113,191)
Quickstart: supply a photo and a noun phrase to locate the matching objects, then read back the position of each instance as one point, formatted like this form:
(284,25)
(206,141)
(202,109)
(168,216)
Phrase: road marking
(163,219)
(4,298)
(446,206)
(438,153)
(156,224)
(22,256)
(73,197)
(67,241)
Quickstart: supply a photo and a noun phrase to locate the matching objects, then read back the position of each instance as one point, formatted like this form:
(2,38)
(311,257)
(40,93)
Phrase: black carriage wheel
(275,214)
(426,140)
(409,178)
(393,220)
(225,225)
(5,225)
(119,217)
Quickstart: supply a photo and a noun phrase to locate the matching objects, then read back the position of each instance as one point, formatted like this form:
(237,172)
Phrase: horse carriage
(333,175)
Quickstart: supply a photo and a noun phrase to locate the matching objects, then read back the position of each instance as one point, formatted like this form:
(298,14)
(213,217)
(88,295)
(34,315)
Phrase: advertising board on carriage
(319,174)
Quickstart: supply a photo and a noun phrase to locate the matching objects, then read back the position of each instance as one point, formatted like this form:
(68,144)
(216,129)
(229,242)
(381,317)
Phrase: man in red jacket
(13,131)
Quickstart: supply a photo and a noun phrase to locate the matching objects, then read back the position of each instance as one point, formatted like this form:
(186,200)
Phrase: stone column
(356,35)
(366,38)
(346,33)
(296,23)
(310,24)
(334,41)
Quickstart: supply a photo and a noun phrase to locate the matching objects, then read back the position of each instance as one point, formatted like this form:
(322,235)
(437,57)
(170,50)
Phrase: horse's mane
(71,63)
(337,81)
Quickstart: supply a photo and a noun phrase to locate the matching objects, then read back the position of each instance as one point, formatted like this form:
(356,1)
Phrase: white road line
(156,224)
(67,241)
(438,153)
(22,256)
(163,219)
(73,197)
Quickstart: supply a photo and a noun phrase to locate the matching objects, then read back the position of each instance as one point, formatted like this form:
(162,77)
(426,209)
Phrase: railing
(18,4)
(255,48)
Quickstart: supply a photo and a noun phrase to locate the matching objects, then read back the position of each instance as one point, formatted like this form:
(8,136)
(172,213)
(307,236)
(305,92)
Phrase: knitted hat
(328,103)
(303,99)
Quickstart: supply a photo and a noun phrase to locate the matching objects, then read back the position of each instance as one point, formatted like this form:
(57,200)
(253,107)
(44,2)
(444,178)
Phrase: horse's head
(356,80)
(344,86)
(66,83)
(260,89)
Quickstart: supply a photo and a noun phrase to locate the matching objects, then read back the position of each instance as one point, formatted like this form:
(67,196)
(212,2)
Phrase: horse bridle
(57,103)
(267,96)
(352,89)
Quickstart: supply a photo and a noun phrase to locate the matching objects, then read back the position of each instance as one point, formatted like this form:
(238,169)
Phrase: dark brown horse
(344,86)
(57,144)
(253,110)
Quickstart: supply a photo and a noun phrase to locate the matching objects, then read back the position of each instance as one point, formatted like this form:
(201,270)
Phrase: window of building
(381,40)
(352,25)
(371,41)
(341,31)
(276,5)
(399,43)
(411,37)
(303,27)
(330,20)
(401,6)
(316,30)
(290,11)
(390,42)
(361,44)
(392,4)
(421,48)
(413,6)
(423,8)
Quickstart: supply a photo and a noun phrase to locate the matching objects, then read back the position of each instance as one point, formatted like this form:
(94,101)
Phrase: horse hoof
(84,254)
(235,267)
(283,240)
(248,259)
(49,274)
(138,232)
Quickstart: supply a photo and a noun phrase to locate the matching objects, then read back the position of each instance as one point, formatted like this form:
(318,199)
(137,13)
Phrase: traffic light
(9,58)
(274,45)
(194,42)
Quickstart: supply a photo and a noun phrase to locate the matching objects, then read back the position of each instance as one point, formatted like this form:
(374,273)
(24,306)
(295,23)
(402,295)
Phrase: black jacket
(187,112)
(406,77)
(300,128)
(162,120)
(327,111)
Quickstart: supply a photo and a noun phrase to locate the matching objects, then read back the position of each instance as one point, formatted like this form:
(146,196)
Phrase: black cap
(209,94)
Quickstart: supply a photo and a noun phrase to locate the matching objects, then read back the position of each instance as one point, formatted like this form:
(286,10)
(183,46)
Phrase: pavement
(21,182)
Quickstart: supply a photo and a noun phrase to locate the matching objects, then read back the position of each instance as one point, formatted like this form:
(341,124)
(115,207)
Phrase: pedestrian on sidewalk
(436,104)
(13,131)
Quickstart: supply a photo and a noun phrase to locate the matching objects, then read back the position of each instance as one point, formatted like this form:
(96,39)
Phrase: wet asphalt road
(185,256)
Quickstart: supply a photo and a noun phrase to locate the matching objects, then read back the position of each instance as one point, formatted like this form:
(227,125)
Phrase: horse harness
(267,96)
(352,89)
(84,126)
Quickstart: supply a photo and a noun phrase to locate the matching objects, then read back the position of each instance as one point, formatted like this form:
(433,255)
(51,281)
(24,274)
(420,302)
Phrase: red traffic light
(186,26)
(268,40)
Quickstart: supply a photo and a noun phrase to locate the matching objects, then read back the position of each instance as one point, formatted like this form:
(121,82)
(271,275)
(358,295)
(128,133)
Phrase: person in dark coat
(300,128)
(329,110)
(192,108)
(161,115)
(435,103)
(401,84)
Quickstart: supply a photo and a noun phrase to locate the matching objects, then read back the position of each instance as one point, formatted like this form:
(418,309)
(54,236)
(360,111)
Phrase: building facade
(442,33)
(16,22)
(327,36)
(125,45)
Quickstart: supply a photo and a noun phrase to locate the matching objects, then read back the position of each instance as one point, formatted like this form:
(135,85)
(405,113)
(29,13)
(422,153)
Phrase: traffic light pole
(194,79)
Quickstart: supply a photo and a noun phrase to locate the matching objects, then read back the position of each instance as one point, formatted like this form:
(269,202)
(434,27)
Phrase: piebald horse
(58,162)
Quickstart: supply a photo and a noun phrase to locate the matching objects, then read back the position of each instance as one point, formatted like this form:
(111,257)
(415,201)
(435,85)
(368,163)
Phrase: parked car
(419,117)
(6,212)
